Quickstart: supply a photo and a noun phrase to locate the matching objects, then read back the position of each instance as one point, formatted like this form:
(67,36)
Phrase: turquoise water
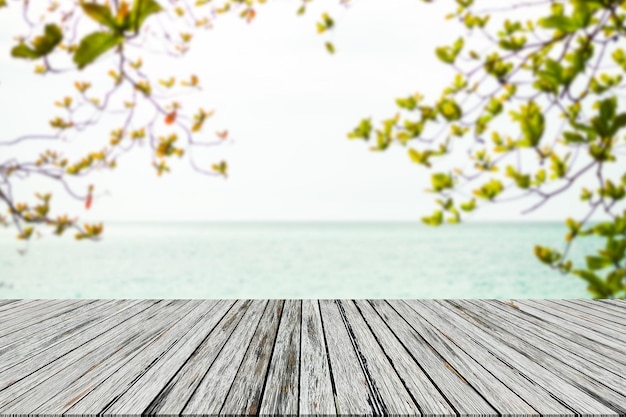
(290,260)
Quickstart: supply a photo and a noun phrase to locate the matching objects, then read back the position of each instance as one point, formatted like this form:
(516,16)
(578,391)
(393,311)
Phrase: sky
(288,105)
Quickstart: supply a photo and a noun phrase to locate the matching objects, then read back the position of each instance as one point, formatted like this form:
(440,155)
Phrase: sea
(292,260)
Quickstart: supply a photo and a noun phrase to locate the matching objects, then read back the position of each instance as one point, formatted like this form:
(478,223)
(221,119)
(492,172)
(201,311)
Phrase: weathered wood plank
(575,318)
(562,381)
(412,330)
(385,385)
(6,302)
(316,394)
(281,393)
(352,394)
(611,312)
(421,388)
(211,392)
(506,389)
(595,352)
(561,326)
(527,341)
(13,381)
(615,320)
(153,381)
(27,312)
(21,305)
(616,303)
(246,391)
(54,378)
(92,398)
(18,352)
(174,396)
(54,324)
(401,358)
(26,320)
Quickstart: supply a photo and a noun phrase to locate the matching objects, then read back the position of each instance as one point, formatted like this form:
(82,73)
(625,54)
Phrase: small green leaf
(450,110)
(23,51)
(435,220)
(101,13)
(330,47)
(595,262)
(142,9)
(94,45)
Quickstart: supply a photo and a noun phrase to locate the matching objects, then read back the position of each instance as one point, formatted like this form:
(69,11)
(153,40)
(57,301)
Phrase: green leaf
(42,45)
(101,13)
(441,181)
(469,206)
(450,110)
(362,131)
(23,51)
(435,220)
(596,285)
(595,262)
(3,3)
(94,45)
(562,23)
(532,124)
(330,47)
(546,255)
(53,35)
(142,9)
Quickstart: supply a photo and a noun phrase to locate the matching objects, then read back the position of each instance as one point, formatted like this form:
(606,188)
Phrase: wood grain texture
(5,302)
(562,382)
(310,357)
(351,389)
(579,371)
(175,395)
(157,381)
(386,387)
(210,394)
(21,363)
(579,318)
(607,311)
(316,394)
(558,324)
(594,352)
(422,390)
(90,399)
(28,312)
(88,366)
(454,387)
(505,389)
(79,316)
(245,394)
(282,391)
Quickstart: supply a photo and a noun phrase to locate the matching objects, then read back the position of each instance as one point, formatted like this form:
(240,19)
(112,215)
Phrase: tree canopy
(536,106)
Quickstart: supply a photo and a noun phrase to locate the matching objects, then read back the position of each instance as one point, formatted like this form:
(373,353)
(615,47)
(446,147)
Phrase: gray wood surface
(456,389)
(282,391)
(424,392)
(506,389)
(351,390)
(579,317)
(312,357)
(316,393)
(210,394)
(606,311)
(562,380)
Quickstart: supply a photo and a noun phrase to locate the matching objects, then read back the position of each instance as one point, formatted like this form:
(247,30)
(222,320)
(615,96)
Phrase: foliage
(537,105)
(113,37)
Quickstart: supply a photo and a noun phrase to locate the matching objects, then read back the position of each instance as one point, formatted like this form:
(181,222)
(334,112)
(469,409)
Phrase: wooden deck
(377,357)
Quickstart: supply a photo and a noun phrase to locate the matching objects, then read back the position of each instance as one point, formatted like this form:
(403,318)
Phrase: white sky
(289,105)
